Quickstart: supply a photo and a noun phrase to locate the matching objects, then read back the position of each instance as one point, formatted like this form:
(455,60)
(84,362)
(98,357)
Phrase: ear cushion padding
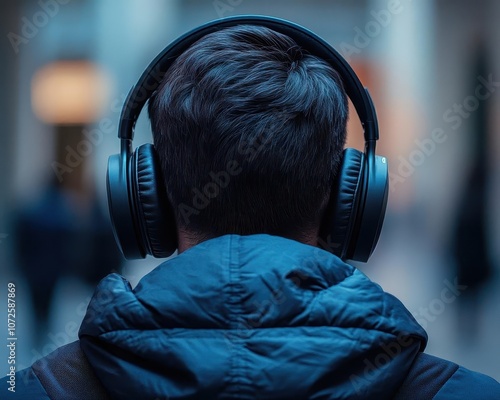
(339,220)
(154,213)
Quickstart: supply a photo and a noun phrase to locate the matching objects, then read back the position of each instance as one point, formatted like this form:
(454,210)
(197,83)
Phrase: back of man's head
(249,129)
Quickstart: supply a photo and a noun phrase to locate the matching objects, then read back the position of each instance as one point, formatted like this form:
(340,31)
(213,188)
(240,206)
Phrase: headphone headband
(154,73)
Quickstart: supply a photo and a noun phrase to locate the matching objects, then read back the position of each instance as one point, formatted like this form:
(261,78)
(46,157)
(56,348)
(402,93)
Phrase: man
(251,307)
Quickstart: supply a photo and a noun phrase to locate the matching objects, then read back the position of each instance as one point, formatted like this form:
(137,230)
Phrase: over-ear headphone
(142,218)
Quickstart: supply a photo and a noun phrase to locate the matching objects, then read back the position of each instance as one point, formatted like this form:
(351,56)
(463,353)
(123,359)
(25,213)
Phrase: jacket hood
(250,317)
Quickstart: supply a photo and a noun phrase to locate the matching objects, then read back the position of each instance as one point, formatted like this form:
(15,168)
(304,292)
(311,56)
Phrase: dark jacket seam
(447,380)
(39,381)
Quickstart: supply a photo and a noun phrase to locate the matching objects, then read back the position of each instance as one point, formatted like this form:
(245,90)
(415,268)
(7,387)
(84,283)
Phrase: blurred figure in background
(470,237)
(63,232)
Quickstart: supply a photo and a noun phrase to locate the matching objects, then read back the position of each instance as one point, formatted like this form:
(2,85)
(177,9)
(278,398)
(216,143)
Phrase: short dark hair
(249,129)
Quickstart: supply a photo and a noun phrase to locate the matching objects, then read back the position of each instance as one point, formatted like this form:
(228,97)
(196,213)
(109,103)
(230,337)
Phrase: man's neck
(188,240)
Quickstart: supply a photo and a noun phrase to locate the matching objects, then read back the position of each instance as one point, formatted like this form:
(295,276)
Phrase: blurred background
(432,67)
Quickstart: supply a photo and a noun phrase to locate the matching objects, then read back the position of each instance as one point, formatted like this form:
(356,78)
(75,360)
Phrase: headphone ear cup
(121,207)
(154,217)
(371,208)
(354,217)
(340,217)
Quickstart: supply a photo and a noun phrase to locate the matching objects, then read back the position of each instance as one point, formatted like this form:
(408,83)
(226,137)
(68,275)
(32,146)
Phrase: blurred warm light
(69,92)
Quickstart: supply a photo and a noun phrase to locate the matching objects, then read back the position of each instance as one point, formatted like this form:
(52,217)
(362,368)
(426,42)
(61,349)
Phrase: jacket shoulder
(24,385)
(63,374)
(432,378)
(469,385)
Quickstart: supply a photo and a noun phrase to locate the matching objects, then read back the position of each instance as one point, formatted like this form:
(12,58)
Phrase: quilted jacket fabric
(252,317)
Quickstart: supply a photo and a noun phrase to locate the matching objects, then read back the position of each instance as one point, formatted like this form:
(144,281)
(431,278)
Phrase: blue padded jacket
(252,317)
